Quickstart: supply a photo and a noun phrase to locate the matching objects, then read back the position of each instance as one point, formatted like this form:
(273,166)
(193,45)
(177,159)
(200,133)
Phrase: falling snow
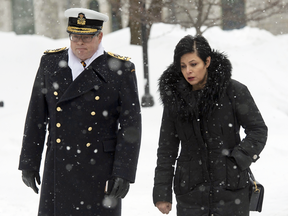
(259,60)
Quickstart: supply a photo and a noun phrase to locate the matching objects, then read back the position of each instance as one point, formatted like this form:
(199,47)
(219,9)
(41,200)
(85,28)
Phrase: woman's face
(194,70)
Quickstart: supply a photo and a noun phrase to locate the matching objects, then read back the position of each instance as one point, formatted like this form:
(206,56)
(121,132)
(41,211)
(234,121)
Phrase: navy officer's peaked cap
(84,21)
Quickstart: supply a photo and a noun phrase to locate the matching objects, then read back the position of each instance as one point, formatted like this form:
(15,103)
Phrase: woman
(203,111)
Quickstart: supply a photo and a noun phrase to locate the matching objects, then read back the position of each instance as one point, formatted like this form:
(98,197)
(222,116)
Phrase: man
(90,108)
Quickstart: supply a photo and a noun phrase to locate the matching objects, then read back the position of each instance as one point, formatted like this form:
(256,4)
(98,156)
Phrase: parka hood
(176,93)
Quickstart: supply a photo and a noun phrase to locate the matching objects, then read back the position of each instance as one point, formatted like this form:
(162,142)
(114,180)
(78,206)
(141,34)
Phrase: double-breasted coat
(94,131)
(211,175)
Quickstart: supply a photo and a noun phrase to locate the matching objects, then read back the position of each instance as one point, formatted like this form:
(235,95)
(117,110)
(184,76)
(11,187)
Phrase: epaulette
(119,57)
(55,50)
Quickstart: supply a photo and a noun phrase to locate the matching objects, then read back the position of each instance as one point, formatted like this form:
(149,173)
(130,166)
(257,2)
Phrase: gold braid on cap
(81,30)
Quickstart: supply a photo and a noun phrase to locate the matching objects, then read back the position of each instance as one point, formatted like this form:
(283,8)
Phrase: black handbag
(256,193)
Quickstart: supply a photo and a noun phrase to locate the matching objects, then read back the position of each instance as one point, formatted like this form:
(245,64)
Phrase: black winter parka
(94,131)
(200,129)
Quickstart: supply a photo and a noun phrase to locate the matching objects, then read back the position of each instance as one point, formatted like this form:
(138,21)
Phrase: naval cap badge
(81,19)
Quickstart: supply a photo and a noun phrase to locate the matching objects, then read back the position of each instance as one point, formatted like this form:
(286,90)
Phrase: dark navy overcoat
(92,127)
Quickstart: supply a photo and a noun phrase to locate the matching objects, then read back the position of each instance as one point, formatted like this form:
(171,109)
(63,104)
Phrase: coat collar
(61,76)
(91,78)
(177,94)
(75,63)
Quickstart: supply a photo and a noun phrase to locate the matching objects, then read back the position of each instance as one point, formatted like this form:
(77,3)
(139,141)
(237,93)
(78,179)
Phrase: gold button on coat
(58,140)
(58,109)
(90,129)
(97,98)
(93,113)
(55,93)
(88,144)
(58,125)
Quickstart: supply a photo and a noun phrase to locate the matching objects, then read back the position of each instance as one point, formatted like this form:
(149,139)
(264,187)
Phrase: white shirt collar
(75,63)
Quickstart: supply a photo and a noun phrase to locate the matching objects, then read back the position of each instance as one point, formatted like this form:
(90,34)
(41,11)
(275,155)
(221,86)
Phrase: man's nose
(80,41)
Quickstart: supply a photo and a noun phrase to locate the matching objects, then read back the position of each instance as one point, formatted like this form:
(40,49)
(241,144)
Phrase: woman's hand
(164,207)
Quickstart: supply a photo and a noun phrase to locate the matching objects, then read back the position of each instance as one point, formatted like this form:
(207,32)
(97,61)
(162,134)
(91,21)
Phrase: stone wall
(50,21)
(6,15)
(49,16)
(276,24)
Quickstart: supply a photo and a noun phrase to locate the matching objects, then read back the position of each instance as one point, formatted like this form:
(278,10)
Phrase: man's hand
(29,178)
(164,207)
(120,188)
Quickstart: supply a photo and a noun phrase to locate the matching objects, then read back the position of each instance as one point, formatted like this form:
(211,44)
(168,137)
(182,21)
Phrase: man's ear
(100,36)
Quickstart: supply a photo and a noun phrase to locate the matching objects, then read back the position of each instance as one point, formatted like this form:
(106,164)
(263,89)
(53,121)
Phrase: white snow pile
(259,61)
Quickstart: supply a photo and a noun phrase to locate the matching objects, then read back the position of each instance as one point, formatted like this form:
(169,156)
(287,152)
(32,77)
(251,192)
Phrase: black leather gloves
(120,188)
(29,178)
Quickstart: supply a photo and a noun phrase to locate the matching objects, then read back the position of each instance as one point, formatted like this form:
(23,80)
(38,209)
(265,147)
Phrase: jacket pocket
(187,176)
(109,145)
(235,178)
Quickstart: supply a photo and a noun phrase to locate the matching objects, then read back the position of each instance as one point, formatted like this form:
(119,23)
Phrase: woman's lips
(191,78)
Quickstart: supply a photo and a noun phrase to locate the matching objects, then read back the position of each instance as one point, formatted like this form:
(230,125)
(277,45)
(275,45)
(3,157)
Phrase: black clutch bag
(256,194)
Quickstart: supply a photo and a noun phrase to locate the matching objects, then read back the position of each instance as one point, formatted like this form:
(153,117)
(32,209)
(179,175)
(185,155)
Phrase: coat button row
(59,141)
(59,125)
(89,128)
(96,98)
(59,109)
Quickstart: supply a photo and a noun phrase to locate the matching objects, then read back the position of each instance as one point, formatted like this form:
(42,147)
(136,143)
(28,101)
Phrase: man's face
(86,50)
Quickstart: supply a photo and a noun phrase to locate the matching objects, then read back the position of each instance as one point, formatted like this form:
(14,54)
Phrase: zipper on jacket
(204,135)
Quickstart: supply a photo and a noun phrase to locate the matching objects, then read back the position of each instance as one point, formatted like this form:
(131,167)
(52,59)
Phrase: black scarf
(176,93)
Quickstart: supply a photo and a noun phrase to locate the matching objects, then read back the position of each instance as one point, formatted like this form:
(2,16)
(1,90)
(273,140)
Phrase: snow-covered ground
(259,60)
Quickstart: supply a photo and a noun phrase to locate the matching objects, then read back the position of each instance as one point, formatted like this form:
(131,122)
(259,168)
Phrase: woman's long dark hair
(219,72)
(190,44)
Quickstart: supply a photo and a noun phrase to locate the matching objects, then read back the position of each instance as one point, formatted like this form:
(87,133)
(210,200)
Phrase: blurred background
(46,17)
(258,55)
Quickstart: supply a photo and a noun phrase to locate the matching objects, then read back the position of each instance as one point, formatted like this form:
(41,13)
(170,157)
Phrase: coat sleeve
(129,134)
(35,125)
(166,156)
(249,117)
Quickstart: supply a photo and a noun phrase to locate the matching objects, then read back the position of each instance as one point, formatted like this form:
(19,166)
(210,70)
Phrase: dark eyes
(83,37)
(191,64)
(86,37)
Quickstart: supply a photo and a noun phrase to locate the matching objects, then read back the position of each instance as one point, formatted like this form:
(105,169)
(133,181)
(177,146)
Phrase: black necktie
(83,63)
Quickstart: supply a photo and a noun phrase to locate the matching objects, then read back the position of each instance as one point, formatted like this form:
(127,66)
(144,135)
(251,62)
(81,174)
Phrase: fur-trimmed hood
(176,93)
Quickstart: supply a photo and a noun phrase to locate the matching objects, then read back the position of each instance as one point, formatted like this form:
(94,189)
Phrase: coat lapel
(91,78)
(61,78)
